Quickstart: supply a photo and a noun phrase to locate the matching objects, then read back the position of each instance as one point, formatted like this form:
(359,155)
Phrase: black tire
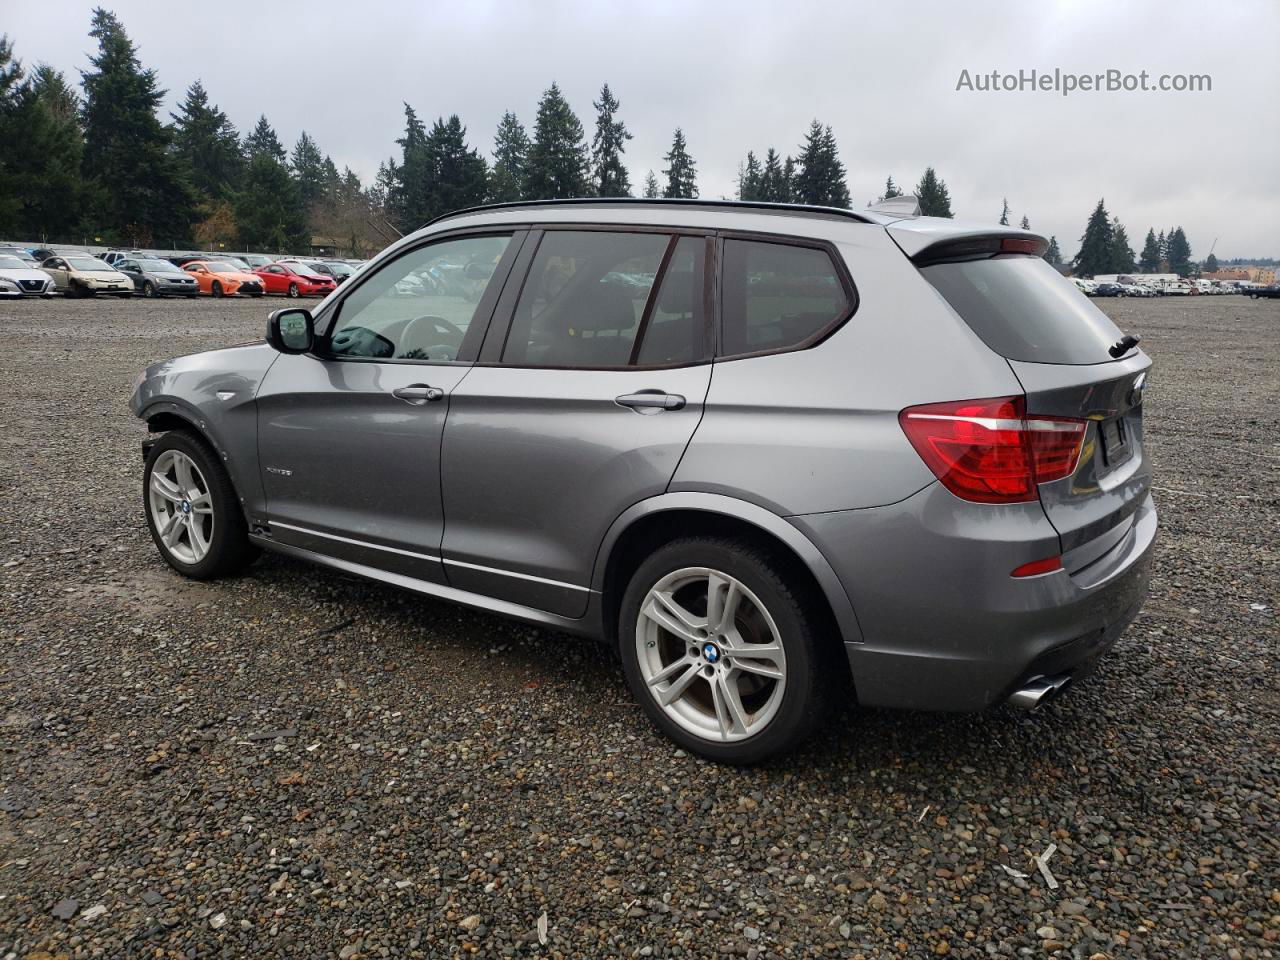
(216,289)
(293,290)
(811,674)
(229,548)
(148,289)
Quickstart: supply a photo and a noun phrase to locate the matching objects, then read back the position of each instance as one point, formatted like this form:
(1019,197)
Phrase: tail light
(990,451)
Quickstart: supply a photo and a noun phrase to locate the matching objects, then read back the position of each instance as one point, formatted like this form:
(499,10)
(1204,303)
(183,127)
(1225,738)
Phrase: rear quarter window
(777,296)
(1023,309)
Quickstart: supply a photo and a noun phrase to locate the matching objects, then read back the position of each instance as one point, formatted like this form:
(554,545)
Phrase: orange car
(220,279)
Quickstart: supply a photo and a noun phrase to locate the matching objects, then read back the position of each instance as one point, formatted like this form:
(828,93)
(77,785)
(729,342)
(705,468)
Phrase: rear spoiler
(980,248)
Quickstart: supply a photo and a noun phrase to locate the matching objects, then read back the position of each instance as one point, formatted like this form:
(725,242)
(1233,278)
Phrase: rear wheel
(718,648)
(192,509)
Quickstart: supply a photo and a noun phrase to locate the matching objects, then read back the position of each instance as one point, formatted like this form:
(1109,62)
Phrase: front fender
(832,588)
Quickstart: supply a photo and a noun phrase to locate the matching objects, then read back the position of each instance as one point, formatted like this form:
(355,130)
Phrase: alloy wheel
(181,506)
(710,654)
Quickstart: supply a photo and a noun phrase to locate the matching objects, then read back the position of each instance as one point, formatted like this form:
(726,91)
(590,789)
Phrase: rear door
(582,405)
(1072,361)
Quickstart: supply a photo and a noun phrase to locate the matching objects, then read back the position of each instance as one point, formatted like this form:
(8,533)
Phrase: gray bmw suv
(776,455)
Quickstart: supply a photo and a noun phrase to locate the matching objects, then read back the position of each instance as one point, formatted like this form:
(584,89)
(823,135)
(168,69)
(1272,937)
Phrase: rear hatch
(1072,362)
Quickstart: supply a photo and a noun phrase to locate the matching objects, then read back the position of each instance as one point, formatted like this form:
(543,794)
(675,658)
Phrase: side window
(776,296)
(420,305)
(583,299)
(676,331)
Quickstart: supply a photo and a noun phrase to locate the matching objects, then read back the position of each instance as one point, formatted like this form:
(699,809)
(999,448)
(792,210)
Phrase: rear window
(777,296)
(1023,309)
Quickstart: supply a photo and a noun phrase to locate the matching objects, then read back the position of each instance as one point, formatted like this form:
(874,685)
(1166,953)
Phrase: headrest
(603,306)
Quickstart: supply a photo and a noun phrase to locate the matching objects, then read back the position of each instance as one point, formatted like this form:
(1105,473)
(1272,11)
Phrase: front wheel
(192,509)
(721,651)
(216,289)
(148,290)
(293,290)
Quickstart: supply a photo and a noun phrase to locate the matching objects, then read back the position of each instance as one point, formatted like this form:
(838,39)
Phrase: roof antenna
(906,205)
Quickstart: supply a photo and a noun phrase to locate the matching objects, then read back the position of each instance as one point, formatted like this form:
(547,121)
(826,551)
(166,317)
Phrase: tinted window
(677,329)
(583,299)
(1023,309)
(777,296)
(418,306)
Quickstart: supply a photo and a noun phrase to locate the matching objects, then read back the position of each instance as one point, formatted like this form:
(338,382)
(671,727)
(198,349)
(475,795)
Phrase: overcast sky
(741,75)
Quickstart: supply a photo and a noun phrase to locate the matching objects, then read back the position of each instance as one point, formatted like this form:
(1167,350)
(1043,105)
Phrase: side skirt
(586,626)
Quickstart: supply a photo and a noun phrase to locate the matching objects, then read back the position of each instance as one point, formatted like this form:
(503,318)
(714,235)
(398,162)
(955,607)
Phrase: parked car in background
(256,260)
(295,280)
(340,270)
(1107,290)
(113,257)
(80,275)
(153,277)
(1177,289)
(27,281)
(828,518)
(321,268)
(220,279)
(22,253)
(1266,293)
(41,254)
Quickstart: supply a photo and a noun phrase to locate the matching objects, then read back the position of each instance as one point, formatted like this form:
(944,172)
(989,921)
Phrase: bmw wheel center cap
(710,652)
(185,506)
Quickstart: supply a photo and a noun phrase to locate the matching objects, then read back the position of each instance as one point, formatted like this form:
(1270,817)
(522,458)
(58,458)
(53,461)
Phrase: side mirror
(291,330)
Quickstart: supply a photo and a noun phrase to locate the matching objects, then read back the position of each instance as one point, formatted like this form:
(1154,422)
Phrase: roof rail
(757,205)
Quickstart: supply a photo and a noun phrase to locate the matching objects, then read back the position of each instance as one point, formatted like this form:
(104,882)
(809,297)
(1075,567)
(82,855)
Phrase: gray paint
(511,491)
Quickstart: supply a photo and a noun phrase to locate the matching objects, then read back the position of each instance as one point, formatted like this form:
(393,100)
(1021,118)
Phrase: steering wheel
(448,336)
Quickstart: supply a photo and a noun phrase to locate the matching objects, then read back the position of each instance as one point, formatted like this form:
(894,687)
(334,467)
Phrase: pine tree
(510,153)
(1097,246)
(749,178)
(1122,259)
(773,181)
(1004,214)
(1179,253)
(890,190)
(144,198)
(558,158)
(788,180)
(1211,264)
(608,174)
(208,144)
(1025,224)
(263,140)
(935,201)
(821,178)
(457,174)
(1052,253)
(1162,248)
(1149,262)
(650,186)
(268,208)
(681,171)
(307,164)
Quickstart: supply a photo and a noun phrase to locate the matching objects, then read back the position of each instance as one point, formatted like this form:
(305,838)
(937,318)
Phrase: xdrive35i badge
(280,471)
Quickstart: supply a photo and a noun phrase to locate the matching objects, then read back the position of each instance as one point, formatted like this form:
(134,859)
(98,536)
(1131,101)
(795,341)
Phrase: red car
(293,280)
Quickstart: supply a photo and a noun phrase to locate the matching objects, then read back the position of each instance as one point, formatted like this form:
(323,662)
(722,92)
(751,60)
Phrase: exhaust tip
(1036,693)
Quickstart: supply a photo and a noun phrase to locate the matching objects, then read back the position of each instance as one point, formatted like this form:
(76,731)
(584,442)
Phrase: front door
(590,392)
(349,436)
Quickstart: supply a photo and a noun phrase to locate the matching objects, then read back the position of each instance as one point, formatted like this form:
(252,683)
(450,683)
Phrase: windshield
(1023,309)
(341,269)
(152,265)
(11,263)
(221,268)
(87,263)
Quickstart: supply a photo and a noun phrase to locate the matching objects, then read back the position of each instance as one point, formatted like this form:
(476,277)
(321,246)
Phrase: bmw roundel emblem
(710,652)
(185,506)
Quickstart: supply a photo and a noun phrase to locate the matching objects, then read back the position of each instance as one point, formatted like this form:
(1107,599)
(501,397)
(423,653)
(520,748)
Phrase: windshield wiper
(1123,346)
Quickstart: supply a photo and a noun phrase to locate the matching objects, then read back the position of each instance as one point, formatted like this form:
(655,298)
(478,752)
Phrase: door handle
(650,401)
(418,393)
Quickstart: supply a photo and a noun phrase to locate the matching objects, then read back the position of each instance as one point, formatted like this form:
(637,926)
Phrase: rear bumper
(945,627)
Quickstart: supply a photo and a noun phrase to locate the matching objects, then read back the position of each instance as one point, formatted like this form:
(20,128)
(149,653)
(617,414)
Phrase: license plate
(1115,447)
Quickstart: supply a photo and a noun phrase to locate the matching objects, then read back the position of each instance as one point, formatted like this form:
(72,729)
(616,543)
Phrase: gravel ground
(296,763)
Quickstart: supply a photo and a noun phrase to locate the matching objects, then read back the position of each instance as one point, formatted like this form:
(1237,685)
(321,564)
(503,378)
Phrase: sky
(742,75)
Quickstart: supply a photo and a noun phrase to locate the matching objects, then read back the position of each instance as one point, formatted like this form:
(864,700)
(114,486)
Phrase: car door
(132,270)
(590,385)
(349,435)
(272,278)
(56,267)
